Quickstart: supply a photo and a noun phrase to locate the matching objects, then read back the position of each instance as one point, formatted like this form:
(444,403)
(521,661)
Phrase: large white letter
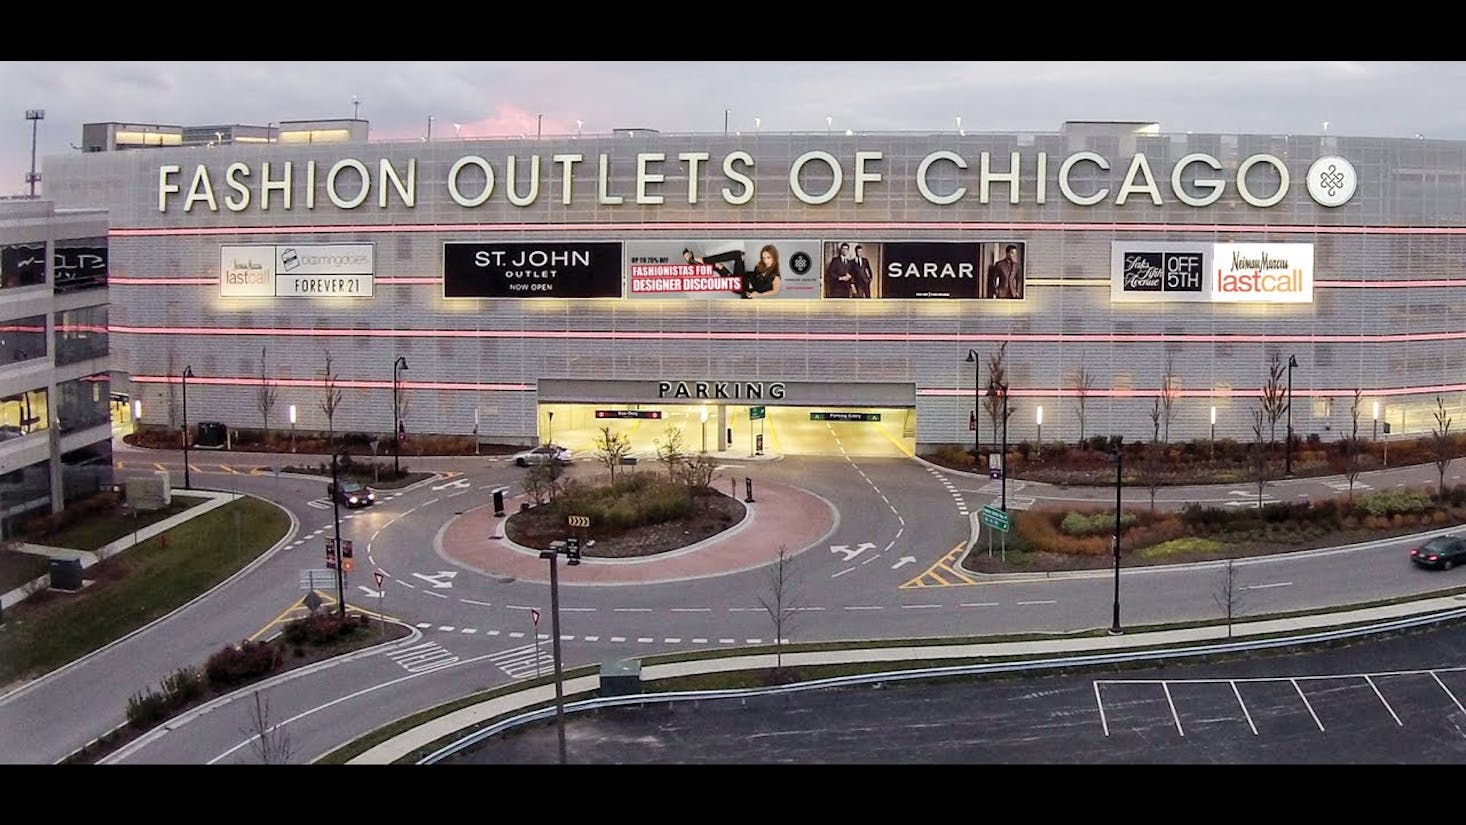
(366,183)
(1138,164)
(231,177)
(738,177)
(643,177)
(692,159)
(201,190)
(985,176)
(1247,193)
(164,187)
(861,176)
(926,191)
(407,193)
(567,163)
(1216,186)
(310,184)
(534,182)
(603,194)
(267,185)
(1042,177)
(475,160)
(1064,178)
(829,160)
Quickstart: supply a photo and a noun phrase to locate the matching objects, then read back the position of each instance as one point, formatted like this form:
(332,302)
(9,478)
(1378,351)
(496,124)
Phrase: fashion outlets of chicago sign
(473,180)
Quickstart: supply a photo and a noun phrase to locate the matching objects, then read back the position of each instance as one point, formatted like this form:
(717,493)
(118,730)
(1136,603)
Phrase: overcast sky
(1356,98)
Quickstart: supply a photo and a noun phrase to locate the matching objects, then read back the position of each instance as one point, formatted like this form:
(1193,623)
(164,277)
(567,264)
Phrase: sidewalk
(444,726)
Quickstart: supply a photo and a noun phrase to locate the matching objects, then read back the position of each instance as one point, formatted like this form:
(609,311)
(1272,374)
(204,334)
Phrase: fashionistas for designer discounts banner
(722,269)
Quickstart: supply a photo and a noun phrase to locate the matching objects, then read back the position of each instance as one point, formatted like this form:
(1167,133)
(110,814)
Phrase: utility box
(150,493)
(211,435)
(621,678)
(66,574)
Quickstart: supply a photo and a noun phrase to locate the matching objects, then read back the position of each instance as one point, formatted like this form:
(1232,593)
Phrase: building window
(80,264)
(83,403)
(23,264)
(22,339)
(81,334)
(86,472)
(25,494)
(22,414)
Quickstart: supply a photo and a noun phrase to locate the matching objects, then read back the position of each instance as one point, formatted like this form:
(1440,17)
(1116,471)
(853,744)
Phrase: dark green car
(1441,552)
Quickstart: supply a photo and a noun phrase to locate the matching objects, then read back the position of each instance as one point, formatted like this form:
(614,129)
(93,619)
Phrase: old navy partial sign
(731,390)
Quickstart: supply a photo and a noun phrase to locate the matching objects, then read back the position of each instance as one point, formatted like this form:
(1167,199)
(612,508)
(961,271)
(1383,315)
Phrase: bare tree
(403,401)
(1229,595)
(698,470)
(269,741)
(671,453)
(1275,395)
(1351,445)
(1170,391)
(172,395)
(1155,420)
(1440,444)
(541,481)
(1259,455)
(331,400)
(1151,468)
(1083,384)
(611,448)
(781,602)
(997,376)
(265,397)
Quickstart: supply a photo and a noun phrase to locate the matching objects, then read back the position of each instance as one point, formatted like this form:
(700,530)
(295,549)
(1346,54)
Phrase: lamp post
(1039,419)
(550,433)
(995,390)
(187,374)
(1288,451)
(1115,629)
(571,548)
(703,417)
(976,369)
(336,515)
(1212,444)
(292,428)
(35,116)
(397,366)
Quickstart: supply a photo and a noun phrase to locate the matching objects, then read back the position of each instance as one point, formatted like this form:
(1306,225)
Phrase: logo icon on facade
(800,262)
(1332,180)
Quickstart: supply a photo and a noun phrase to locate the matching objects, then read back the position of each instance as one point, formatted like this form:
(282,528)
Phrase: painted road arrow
(905,560)
(850,554)
(462,482)
(441,574)
(372,594)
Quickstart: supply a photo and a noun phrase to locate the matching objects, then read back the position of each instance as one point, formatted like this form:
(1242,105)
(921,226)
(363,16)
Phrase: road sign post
(534,620)
(381,599)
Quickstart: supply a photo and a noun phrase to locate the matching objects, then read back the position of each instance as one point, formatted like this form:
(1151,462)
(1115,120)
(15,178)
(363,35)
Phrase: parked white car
(541,455)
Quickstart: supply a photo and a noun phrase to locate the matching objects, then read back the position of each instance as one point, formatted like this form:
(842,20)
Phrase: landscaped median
(411,739)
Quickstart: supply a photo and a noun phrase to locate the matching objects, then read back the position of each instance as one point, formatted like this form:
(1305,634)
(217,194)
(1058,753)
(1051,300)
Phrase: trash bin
(65,574)
(621,678)
(211,434)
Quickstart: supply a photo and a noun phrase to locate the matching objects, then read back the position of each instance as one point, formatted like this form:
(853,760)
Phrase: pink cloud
(509,121)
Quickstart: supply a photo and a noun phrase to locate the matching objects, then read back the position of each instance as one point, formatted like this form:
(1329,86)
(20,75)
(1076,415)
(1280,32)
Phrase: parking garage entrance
(742,417)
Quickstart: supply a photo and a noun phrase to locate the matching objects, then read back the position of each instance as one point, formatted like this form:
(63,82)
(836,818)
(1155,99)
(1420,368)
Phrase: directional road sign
(995,518)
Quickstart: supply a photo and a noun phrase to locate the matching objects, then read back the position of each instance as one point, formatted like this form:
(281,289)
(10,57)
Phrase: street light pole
(571,548)
(336,513)
(1115,629)
(993,391)
(550,435)
(976,371)
(187,480)
(1288,452)
(400,363)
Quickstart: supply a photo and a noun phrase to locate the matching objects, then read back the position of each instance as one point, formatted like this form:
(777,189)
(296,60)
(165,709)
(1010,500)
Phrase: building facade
(55,400)
(539,286)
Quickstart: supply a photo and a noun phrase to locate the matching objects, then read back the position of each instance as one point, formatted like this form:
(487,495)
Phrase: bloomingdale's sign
(474,180)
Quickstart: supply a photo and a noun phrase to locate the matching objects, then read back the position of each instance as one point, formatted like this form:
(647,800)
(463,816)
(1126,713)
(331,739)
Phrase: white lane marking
(699,641)
(618,638)
(745,610)
(1306,703)
(445,628)
(404,584)
(1266,586)
(577,610)
(439,595)
(423,625)
(1238,694)
(691,609)
(1448,691)
(565,638)
(515,634)
(469,630)
(671,641)
(726,641)
(493,632)
(471,601)
(918,606)
(1045,601)
(755,641)
(872,607)
(518,607)
(1101,704)
(1167,689)
(631,610)
(645,640)
(842,572)
(871,559)
(592,638)
(805,609)
(978,604)
(1382,701)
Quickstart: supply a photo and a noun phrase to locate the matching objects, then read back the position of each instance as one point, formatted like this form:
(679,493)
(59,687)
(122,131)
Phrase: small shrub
(1390,502)
(146,708)
(955,456)
(233,666)
(183,686)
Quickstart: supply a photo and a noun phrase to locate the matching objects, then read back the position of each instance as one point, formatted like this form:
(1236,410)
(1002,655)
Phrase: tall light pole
(1115,629)
(355,108)
(829,121)
(703,417)
(1288,451)
(1212,444)
(187,374)
(539,126)
(550,437)
(430,128)
(336,513)
(292,428)
(397,366)
(571,549)
(994,390)
(976,404)
(35,116)
(1039,421)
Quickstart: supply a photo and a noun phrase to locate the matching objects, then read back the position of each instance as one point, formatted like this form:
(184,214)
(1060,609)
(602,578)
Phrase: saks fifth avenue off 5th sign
(941,177)
(1260,273)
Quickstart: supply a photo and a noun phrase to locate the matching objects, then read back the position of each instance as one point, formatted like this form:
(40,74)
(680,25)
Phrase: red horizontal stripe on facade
(318,382)
(1439,282)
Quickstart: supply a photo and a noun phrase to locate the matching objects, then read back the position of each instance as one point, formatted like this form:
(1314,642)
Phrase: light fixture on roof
(828,122)
(848,133)
(757,122)
(457,129)
(960,130)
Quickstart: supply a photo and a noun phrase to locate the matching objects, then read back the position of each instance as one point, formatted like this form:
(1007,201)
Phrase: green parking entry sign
(844,416)
(755,413)
(995,518)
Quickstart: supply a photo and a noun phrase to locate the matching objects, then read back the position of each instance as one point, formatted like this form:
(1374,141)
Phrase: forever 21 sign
(532,270)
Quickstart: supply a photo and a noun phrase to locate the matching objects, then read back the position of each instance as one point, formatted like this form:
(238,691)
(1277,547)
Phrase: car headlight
(371,496)
(352,500)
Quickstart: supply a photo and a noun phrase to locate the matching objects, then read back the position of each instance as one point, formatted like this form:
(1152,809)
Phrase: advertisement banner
(1159,271)
(79,264)
(726,269)
(925,269)
(586,269)
(1263,273)
(306,270)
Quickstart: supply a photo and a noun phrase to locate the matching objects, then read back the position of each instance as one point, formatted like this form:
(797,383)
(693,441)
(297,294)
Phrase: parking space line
(1098,701)
(1448,691)
(1306,703)
(1167,689)
(1382,701)
(1238,694)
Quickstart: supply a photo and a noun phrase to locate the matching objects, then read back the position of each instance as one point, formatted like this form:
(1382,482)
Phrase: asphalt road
(1396,700)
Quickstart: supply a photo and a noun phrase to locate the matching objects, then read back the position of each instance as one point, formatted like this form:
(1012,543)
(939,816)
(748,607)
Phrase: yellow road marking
(193,467)
(158,466)
(256,471)
(226,468)
(892,439)
(285,615)
(121,465)
(932,576)
(955,572)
